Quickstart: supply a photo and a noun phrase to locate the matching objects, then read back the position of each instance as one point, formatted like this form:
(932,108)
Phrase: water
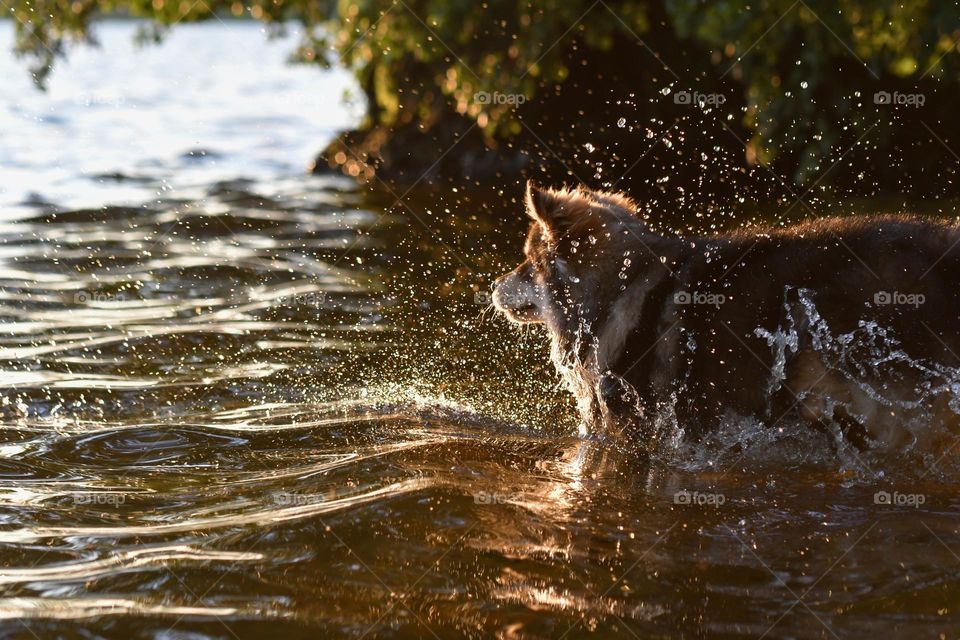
(97,136)
(245,402)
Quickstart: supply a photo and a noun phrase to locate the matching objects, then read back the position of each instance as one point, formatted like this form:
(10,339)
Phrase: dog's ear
(558,211)
(541,203)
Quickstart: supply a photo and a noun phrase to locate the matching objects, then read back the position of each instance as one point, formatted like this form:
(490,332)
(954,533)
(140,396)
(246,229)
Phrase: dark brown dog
(852,324)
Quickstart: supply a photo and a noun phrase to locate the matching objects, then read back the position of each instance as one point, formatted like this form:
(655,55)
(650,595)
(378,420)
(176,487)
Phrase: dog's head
(579,250)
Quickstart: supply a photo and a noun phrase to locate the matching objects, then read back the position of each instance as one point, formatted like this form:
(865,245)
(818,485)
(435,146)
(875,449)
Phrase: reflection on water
(97,137)
(258,407)
(224,427)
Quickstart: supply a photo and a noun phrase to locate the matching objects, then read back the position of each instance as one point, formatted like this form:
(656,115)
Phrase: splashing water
(262,407)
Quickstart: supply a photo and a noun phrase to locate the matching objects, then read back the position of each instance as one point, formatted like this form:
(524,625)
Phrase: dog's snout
(500,282)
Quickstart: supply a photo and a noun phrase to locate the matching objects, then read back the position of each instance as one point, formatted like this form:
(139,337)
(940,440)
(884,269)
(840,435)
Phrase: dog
(848,324)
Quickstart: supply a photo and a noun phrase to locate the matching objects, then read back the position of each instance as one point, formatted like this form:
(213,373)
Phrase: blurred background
(725,97)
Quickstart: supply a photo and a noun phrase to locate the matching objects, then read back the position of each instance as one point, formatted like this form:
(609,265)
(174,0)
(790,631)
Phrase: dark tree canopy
(790,86)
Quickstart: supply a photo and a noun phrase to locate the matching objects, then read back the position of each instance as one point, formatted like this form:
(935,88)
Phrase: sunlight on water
(96,138)
(237,394)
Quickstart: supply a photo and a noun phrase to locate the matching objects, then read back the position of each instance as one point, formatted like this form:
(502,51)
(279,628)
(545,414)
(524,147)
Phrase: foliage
(801,70)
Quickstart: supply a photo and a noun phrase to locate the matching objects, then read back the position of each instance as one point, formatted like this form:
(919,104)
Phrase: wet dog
(849,324)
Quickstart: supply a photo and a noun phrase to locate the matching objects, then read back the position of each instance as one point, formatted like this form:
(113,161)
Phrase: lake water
(240,401)
(125,123)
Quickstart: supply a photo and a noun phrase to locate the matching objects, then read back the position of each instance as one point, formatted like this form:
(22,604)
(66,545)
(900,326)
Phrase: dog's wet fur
(641,323)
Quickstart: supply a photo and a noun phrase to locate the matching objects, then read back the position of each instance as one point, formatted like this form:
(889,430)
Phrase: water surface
(243,402)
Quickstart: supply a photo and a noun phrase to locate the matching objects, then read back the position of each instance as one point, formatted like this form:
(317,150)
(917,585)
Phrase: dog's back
(851,324)
(841,320)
